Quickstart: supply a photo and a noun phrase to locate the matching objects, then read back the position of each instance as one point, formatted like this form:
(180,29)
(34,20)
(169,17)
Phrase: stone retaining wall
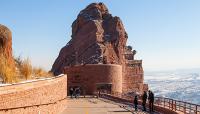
(46,96)
(88,76)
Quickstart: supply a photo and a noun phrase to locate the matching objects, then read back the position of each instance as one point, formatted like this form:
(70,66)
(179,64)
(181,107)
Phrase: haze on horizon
(166,34)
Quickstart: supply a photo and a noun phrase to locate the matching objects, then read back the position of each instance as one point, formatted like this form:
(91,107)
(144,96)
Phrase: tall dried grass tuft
(19,70)
(40,72)
(7,70)
(26,68)
(26,71)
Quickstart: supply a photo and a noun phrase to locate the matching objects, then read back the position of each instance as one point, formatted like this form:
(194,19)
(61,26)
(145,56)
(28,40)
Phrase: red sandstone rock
(100,38)
(97,37)
(6,43)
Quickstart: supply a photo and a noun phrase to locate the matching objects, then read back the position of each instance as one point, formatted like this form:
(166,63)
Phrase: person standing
(144,100)
(77,91)
(151,101)
(74,92)
(136,103)
(71,92)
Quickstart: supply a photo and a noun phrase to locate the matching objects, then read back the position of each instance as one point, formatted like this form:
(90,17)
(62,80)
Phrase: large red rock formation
(6,43)
(100,38)
(97,37)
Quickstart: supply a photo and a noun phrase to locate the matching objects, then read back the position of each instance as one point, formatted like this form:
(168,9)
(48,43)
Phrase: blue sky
(165,33)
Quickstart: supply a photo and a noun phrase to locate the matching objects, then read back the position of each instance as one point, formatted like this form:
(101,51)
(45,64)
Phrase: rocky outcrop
(6,43)
(97,38)
(100,38)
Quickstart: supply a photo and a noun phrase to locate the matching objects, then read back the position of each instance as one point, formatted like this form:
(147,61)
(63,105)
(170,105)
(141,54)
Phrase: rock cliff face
(100,38)
(6,43)
(97,38)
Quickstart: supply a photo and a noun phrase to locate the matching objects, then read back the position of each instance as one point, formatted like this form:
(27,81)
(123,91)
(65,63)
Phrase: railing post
(196,109)
(160,101)
(184,108)
(171,104)
(175,105)
(164,102)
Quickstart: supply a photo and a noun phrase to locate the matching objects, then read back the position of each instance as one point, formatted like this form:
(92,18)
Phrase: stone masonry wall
(133,79)
(87,76)
(45,96)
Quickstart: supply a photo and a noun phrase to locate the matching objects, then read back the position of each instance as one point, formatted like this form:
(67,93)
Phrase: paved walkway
(97,106)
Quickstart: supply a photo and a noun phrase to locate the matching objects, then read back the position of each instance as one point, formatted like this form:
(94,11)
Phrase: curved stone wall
(87,76)
(42,96)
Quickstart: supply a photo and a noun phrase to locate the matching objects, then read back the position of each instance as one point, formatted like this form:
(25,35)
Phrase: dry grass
(39,72)
(26,68)
(20,70)
(28,71)
(7,70)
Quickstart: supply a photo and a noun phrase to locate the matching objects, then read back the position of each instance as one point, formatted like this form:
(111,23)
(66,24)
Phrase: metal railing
(171,104)
(175,105)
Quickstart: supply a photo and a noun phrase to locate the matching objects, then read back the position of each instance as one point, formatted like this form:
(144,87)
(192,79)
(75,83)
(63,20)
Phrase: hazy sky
(165,33)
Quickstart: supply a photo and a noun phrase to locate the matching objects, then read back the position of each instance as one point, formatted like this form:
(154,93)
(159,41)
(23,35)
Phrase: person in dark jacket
(144,100)
(71,92)
(74,92)
(151,101)
(136,103)
(77,91)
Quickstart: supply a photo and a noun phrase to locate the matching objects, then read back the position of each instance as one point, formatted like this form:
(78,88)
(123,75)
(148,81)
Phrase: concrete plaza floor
(97,106)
